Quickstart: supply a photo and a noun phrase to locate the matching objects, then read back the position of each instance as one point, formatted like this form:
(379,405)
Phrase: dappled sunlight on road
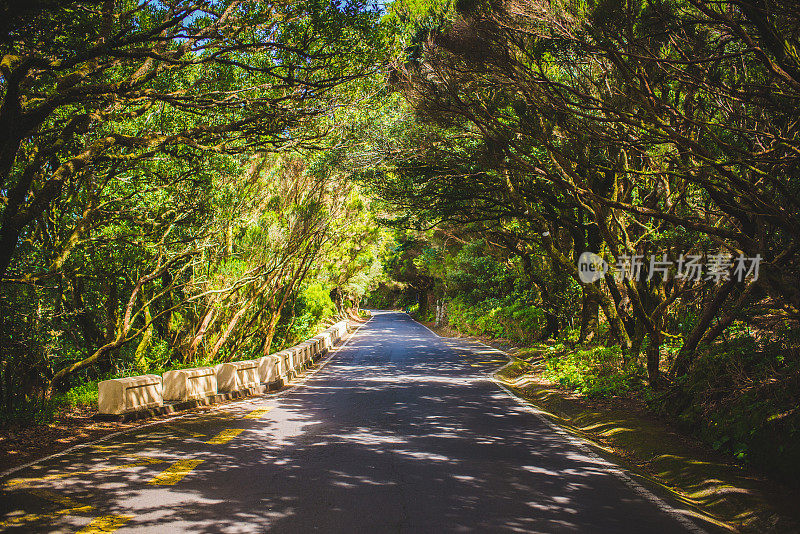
(389,437)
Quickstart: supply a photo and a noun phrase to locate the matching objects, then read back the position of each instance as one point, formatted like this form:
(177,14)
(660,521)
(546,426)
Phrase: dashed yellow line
(225,436)
(27,518)
(69,504)
(100,447)
(174,473)
(106,523)
(255,414)
(72,508)
(132,465)
(184,431)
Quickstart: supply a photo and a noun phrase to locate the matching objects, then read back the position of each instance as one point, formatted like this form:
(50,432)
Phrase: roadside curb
(181,406)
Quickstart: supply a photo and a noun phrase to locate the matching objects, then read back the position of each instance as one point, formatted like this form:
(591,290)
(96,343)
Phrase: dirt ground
(22,444)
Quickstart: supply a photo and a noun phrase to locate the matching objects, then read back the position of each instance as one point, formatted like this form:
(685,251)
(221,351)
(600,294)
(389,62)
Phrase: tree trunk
(231,326)
(685,356)
(140,357)
(589,311)
(606,304)
(207,321)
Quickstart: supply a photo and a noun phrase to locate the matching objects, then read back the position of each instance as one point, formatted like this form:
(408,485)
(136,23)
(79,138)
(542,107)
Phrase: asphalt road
(401,432)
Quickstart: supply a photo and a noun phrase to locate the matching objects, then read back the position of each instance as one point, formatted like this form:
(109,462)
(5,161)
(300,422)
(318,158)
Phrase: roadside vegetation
(169,188)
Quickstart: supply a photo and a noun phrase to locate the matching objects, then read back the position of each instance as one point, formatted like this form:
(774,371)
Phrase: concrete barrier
(286,367)
(316,348)
(269,369)
(188,384)
(121,395)
(339,330)
(327,341)
(307,348)
(308,352)
(300,350)
(234,376)
(139,393)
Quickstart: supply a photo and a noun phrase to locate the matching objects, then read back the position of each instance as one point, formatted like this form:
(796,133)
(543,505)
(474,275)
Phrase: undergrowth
(595,372)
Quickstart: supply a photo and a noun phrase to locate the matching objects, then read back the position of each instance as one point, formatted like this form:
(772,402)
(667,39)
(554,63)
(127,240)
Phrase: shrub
(594,372)
(516,321)
(741,397)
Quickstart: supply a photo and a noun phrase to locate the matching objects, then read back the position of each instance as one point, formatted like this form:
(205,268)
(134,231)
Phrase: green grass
(594,372)
(82,395)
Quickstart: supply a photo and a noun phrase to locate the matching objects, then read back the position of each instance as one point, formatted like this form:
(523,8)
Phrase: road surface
(402,431)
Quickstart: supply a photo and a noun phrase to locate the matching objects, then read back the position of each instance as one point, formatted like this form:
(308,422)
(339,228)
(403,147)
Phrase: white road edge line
(11,471)
(581,444)
(617,471)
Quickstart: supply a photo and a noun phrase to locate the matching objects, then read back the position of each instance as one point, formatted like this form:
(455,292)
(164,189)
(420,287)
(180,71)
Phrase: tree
(155,203)
(622,128)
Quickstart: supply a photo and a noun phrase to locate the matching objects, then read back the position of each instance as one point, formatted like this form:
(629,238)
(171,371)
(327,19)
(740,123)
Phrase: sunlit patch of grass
(82,395)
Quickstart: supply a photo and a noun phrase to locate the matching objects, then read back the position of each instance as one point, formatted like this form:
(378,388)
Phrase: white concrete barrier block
(187,384)
(235,376)
(309,349)
(286,363)
(327,340)
(121,395)
(299,352)
(320,344)
(269,368)
(341,329)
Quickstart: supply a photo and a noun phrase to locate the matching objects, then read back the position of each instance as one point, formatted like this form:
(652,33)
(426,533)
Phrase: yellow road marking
(184,431)
(225,436)
(27,518)
(144,461)
(174,473)
(69,504)
(106,523)
(255,414)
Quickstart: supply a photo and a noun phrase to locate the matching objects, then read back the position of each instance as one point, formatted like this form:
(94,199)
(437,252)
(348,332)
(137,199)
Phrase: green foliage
(516,321)
(82,395)
(139,221)
(317,300)
(742,399)
(312,306)
(594,372)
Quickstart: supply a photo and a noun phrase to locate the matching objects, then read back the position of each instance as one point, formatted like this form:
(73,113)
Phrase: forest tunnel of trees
(187,182)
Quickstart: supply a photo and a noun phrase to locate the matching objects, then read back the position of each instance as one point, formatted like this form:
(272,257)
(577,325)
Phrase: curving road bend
(400,432)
